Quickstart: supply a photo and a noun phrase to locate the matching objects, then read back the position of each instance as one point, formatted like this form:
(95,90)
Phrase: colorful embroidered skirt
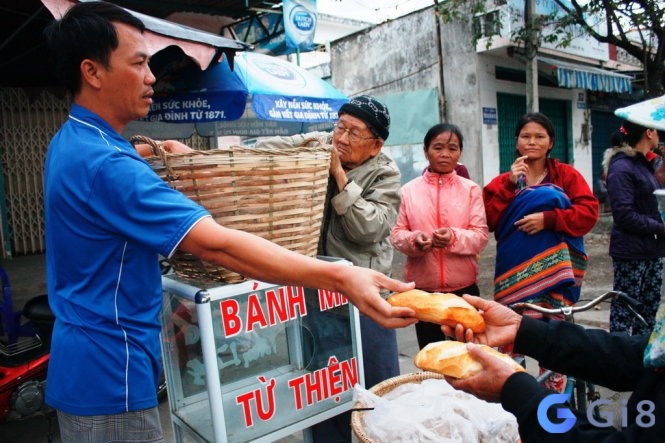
(546,268)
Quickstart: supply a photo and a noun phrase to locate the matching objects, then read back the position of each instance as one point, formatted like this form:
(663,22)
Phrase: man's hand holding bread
(475,366)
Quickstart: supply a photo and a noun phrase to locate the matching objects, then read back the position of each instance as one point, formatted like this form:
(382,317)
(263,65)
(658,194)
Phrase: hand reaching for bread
(477,369)
(441,308)
(501,324)
(453,359)
(481,373)
(488,382)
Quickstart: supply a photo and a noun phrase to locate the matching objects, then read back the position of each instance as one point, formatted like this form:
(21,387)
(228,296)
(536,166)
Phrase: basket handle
(306,141)
(158,149)
(142,139)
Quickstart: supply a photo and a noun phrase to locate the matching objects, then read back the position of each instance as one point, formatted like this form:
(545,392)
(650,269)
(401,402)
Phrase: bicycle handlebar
(631,303)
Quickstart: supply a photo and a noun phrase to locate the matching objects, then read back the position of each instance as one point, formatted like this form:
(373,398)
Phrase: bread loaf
(452,359)
(441,308)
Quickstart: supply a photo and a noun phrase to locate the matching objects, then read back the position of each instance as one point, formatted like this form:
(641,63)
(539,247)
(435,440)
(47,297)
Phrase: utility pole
(531,49)
(439,54)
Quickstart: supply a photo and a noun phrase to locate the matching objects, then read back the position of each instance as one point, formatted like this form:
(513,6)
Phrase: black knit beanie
(371,111)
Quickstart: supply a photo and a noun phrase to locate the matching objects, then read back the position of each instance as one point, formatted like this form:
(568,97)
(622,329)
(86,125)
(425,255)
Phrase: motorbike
(24,353)
(25,341)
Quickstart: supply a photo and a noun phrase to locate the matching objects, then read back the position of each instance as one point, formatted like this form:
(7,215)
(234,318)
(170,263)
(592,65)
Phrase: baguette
(452,359)
(441,308)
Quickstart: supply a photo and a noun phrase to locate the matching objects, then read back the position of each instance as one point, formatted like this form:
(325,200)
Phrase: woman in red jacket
(539,211)
(534,137)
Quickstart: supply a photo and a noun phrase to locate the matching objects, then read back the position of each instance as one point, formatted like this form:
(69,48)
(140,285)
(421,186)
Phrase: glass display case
(255,361)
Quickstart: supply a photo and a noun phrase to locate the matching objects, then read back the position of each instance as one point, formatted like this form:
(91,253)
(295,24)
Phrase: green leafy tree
(637,27)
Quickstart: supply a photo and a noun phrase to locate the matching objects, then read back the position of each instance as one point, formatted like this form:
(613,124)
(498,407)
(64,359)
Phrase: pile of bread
(450,358)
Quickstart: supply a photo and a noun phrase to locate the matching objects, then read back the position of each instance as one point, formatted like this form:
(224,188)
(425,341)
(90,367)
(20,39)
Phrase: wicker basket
(278,194)
(358,417)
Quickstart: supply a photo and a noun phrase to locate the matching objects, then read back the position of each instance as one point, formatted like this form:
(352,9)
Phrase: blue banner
(199,106)
(296,109)
(299,23)
(274,88)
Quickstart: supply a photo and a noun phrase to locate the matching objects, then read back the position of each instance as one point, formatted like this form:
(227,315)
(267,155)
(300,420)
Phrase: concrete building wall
(462,92)
(490,86)
(402,55)
(395,56)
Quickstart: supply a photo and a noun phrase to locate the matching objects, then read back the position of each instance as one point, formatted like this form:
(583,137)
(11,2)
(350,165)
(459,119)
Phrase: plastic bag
(433,411)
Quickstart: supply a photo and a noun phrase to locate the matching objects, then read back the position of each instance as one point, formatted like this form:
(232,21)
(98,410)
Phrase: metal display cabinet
(254,361)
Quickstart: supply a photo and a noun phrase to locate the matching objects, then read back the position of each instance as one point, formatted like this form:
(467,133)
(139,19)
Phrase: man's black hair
(86,31)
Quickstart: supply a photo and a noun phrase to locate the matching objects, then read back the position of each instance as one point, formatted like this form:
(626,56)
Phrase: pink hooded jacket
(441,200)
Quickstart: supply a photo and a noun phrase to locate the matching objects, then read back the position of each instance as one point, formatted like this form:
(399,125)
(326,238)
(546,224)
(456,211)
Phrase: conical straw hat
(649,113)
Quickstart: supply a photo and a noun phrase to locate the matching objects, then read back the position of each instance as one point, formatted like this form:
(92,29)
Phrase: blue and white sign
(299,23)
(276,89)
(489,116)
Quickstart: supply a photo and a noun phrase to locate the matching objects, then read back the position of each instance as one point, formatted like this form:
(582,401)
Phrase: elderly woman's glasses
(354,136)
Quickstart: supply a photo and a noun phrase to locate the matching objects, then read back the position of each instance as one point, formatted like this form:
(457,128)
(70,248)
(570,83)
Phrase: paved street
(27,279)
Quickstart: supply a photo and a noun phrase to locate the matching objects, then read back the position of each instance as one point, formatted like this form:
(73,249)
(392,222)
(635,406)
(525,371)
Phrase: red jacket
(575,221)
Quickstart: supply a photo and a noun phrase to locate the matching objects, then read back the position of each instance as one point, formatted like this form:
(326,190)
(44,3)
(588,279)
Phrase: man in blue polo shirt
(109,216)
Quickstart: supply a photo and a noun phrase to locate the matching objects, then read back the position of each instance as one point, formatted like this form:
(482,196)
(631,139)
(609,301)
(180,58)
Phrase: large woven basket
(358,417)
(278,194)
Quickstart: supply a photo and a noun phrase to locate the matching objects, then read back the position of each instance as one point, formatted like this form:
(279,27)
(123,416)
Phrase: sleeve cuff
(345,199)
(509,185)
(521,395)
(549,219)
(531,331)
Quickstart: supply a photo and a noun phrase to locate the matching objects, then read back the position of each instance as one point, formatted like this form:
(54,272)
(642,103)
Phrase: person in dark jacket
(617,361)
(461,170)
(637,241)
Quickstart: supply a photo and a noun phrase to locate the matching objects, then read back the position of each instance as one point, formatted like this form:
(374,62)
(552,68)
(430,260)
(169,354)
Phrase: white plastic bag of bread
(433,411)
(441,308)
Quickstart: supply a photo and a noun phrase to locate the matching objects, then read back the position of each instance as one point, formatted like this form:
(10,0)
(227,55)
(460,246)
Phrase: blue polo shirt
(108,216)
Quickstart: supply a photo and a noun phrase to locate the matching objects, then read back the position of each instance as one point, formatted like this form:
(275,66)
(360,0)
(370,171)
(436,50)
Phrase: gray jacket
(357,221)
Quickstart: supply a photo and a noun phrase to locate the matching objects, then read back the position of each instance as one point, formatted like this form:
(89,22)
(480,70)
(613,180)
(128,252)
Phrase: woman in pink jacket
(441,226)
